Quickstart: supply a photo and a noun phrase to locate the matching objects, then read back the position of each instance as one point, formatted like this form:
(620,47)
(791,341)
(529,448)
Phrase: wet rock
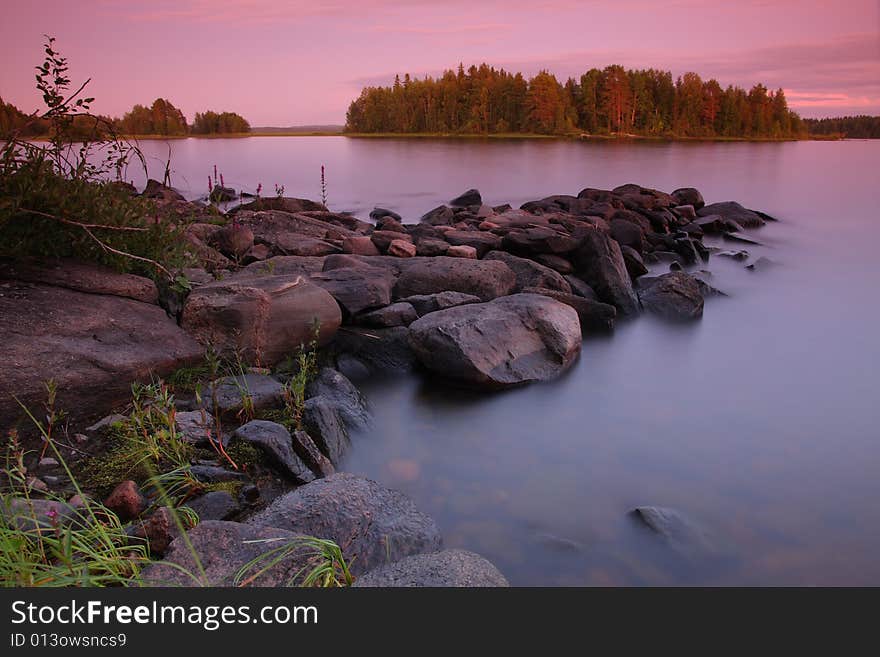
(323,423)
(484,279)
(397,314)
(276,442)
(428,303)
(373,525)
(678,531)
(530,273)
(594,316)
(733,211)
(470,197)
(602,266)
(509,341)
(449,568)
(263,319)
(343,395)
(215,505)
(126,501)
(673,296)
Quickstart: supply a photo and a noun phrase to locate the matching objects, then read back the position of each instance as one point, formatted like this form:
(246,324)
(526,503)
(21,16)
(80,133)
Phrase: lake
(759,423)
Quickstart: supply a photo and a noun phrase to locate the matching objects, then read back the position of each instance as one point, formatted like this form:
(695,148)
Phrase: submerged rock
(508,341)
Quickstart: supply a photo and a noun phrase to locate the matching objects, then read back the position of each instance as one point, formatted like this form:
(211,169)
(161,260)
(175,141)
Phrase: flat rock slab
(508,341)
(83,277)
(449,568)
(373,525)
(94,346)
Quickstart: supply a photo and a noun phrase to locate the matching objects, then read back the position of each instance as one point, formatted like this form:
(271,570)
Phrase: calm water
(760,422)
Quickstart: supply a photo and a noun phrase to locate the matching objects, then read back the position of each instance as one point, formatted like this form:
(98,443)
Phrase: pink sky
(290,62)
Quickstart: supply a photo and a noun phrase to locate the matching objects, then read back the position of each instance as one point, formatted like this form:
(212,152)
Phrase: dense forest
(614,100)
(853,127)
(160,118)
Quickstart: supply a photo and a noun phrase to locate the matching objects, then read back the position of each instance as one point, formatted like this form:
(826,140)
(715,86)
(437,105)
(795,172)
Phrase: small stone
(462,251)
(47,462)
(126,501)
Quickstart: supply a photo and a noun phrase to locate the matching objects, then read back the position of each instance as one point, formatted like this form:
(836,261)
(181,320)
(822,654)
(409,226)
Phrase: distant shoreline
(512,135)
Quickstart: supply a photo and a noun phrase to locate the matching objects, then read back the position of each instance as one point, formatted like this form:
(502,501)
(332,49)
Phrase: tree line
(854,127)
(160,118)
(610,101)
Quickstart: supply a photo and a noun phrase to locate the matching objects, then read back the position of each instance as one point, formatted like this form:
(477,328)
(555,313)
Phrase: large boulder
(689,196)
(470,197)
(358,288)
(223,549)
(733,211)
(284,204)
(94,346)
(530,273)
(538,239)
(449,568)
(601,264)
(508,341)
(484,279)
(263,319)
(674,296)
(373,525)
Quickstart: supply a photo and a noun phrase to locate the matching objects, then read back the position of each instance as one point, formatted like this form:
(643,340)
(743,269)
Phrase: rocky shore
(480,296)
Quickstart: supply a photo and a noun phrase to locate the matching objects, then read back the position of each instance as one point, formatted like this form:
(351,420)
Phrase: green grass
(324,564)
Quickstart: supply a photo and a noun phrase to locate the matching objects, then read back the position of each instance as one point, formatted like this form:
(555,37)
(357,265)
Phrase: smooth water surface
(759,422)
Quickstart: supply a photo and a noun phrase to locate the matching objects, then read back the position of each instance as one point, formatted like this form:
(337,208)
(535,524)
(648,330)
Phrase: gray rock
(678,531)
(634,263)
(359,288)
(379,350)
(734,211)
(508,341)
(213,474)
(580,288)
(308,451)
(470,197)
(530,273)
(594,316)
(673,296)
(373,525)
(321,419)
(342,395)
(31,514)
(449,568)
(484,279)
(601,264)
(195,427)
(428,303)
(228,394)
(223,549)
(397,314)
(439,216)
(215,505)
(276,442)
